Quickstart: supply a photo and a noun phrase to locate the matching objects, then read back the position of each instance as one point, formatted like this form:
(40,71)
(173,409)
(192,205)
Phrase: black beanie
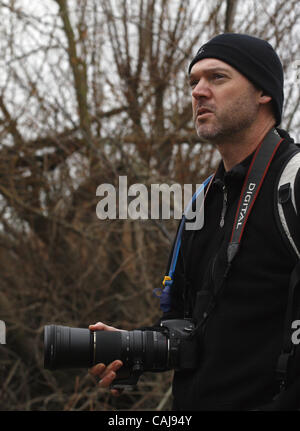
(255,58)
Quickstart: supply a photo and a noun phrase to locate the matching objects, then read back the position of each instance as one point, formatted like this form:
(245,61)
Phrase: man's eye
(218,76)
(193,84)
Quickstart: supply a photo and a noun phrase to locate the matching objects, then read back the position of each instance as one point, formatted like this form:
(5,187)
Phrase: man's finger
(96,370)
(115,365)
(107,380)
(100,326)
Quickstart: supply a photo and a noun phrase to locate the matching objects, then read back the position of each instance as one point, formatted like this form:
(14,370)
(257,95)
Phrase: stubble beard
(230,122)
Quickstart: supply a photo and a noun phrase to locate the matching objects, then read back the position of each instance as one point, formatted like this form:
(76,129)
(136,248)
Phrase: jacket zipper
(224,209)
(213,262)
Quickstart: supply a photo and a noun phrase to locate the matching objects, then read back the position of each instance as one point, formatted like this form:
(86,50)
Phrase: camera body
(170,346)
(183,347)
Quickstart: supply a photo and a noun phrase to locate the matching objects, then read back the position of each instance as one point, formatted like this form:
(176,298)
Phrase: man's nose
(202,89)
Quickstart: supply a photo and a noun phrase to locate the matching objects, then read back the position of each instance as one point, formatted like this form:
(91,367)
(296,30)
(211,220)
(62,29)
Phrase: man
(237,97)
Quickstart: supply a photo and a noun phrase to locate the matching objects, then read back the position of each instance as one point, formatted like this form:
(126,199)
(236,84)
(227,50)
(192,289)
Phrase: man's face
(224,101)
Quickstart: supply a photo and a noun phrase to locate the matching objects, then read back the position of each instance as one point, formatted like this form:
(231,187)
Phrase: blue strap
(164,294)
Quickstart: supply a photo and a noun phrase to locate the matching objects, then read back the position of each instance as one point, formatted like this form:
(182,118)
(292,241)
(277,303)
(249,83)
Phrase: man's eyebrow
(209,70)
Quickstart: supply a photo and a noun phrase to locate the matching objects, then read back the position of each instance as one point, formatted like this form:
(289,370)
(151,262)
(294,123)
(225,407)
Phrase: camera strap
(255,176)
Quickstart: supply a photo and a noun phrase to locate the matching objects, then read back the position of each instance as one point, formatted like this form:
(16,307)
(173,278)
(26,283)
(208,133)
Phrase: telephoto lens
(66,347)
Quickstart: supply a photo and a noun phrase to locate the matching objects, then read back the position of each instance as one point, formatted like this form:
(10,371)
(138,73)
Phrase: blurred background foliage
(91,90)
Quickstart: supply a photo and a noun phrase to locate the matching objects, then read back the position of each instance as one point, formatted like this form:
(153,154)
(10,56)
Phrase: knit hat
(254,58)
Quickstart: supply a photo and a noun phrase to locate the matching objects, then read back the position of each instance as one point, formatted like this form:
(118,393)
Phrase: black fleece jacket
(242,338)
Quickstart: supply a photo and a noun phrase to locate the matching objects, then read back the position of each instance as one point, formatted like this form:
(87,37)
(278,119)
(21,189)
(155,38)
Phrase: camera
(172,345)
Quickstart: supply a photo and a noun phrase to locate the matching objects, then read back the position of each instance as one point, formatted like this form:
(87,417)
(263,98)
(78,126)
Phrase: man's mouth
(202,111)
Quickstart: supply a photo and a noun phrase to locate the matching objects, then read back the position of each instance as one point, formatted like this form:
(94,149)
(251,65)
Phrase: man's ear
(264,98)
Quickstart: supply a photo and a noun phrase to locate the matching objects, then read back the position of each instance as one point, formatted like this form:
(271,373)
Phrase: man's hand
(107,374)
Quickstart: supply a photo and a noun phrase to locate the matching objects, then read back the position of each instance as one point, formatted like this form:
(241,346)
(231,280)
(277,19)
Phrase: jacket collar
(239,171)
(236,174)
